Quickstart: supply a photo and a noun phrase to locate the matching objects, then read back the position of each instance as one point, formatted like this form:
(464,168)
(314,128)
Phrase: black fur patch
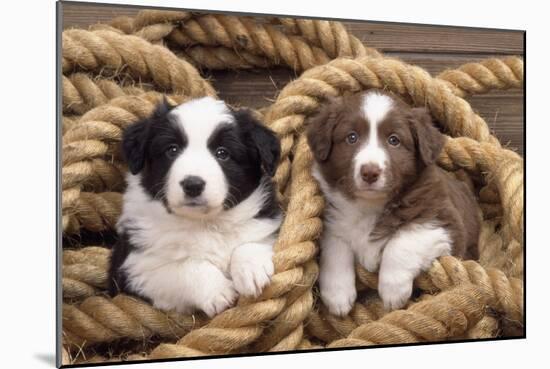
(144,145)
(271,208)
(118,280)
(254,152)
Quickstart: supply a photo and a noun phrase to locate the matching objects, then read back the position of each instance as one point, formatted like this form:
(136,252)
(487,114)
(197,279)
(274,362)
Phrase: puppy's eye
(352,138)
(222,153)
(394,140)
(172,151)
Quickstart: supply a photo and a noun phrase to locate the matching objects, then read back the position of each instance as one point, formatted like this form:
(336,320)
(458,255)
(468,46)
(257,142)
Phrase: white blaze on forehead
(375,108)
(199,119)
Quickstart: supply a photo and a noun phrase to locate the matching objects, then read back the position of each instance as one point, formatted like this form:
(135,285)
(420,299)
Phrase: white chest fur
(345,221)
(346,239)
(166,244)
(348,220)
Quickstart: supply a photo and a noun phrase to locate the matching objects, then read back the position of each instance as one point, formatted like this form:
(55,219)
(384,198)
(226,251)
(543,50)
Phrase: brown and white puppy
(388,205)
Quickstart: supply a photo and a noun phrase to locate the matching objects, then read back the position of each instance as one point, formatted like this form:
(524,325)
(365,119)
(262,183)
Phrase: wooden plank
(437,63)
(504,115)
(442,39)
(84,15)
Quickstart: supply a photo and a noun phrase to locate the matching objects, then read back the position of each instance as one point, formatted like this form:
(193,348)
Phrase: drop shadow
(46,358)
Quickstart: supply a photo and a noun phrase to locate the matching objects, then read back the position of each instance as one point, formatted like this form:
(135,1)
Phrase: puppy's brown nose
(370,172)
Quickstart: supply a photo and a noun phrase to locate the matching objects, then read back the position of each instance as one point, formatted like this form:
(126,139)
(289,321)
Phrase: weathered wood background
(434,48)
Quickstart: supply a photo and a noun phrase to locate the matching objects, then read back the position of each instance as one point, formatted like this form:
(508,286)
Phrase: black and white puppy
(199,214)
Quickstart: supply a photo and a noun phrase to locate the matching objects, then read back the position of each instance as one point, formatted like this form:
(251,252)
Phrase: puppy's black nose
(370,173)
(193,186)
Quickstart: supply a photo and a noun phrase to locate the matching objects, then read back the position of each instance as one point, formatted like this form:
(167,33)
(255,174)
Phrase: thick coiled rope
(111,51)
(243,42)
(487,75)
(101,319)
(449,314)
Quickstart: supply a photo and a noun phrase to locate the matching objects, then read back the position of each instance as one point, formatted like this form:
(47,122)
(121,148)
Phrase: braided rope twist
(242,33)
(449,314)
(330,36)
(489,74)
(506,171)
(327,328)
(243,42)
(96,212)
(503,294)
(108,50)
(67,121)
(222,58)
(148,23)
(81,92)
(85,272)
(100,319)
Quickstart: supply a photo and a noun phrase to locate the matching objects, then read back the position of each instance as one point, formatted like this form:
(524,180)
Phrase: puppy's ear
(263,141)
(429,141)
(319,130)
(133,145)
(135,137)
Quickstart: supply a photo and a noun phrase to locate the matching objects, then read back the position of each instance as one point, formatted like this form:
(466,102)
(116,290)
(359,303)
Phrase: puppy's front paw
(252,269)
(395,289)
(339,299)
(220,296)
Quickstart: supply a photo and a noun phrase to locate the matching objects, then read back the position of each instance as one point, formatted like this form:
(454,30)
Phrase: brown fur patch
(435,196)
(327,138)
